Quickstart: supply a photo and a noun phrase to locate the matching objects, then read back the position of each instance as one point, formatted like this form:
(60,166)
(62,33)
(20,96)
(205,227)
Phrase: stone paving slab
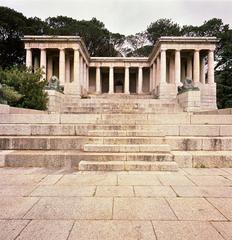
(64,191)
(20,179)
(142,209)
(224,205)
(224,228)
(89,179)
(71,208)
(206,171)
(10,229)
(111,230)
(15,207)
(211,180)
(154,191)
(179,230)
(114,191)
(194,209)
(17,191)
(43,229)
(175,180)
(206,191)
(138,179)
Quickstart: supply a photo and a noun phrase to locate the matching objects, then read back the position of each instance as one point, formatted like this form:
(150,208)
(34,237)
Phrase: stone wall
(190,101)
(55,101)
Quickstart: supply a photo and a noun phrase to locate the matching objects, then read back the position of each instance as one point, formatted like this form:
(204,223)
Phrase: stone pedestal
(190,101)
(55,101)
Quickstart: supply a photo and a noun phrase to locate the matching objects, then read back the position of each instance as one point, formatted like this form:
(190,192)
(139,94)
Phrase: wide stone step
(127,166)
(60,159)
(164,148)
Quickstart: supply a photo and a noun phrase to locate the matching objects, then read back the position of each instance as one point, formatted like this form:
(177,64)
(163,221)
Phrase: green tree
(162,27)
(28,85)
(12,26)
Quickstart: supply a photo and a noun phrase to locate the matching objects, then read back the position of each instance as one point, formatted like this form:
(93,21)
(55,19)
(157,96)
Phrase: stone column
(177,68)
(62,67)
(203,70)
(183,72)
(98,80)
(84,76)
(43,63)
(67,69)
(81,73)
(151,79)
(50,68)
(172,70)
(28,57)
(196,67)
(127,80)
(163,67)
(190,68)
(87,78)
(211,67)
(154,76)
(111,80)
(76,69)
(140,80)
(158,71)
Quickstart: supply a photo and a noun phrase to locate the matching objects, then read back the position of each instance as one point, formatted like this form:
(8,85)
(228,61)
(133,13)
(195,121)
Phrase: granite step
(164,148)
(127,166)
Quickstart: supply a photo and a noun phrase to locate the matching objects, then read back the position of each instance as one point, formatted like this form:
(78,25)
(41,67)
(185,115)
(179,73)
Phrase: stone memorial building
(172,60)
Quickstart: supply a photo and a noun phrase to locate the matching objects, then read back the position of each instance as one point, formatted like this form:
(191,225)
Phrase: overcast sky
(127,16)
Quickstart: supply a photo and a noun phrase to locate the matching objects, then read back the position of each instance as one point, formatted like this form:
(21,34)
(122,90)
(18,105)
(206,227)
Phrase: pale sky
(127,16)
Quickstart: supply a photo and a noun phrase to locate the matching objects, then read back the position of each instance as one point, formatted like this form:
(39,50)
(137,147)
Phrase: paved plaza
(38,203)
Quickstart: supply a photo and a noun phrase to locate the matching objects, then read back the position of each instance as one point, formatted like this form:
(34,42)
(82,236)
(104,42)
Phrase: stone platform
(38,203)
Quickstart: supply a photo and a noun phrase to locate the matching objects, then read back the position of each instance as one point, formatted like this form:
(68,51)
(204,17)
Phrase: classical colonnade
(171,61)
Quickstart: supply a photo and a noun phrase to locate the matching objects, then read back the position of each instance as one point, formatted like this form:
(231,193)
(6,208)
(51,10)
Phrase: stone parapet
(55,101)
(190,101)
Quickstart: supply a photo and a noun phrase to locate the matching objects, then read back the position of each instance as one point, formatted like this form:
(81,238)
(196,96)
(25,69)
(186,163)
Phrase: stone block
(54,129)
(183,159)
(217,144)
(179,118)
(15,129)
(226,130)
(29,118)
(211,119)
(199,130)
(79,118)
(4,109)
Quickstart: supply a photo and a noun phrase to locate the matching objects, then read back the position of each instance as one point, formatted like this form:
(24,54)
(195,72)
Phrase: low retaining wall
(55,101)
(6,109)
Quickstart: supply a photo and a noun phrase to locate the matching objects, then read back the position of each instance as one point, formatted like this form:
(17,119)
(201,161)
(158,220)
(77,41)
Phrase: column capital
(196,50)
(28,48)
(61,48)
(76,49)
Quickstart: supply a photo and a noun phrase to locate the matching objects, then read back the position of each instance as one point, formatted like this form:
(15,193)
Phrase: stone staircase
(117,104)
(119,141)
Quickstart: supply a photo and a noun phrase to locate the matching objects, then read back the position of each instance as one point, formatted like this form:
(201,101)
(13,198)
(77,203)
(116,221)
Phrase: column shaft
(50,68)
(177,67)
(98,80)
(127,81)
(67,69)
(76,70)
(163,67)
(211,67)
(154,76)
(140,81)
(28,58)
(196,67)
(87,78)
(111,80)
(151,79)
(62,67)
(43,63)
(203,70)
